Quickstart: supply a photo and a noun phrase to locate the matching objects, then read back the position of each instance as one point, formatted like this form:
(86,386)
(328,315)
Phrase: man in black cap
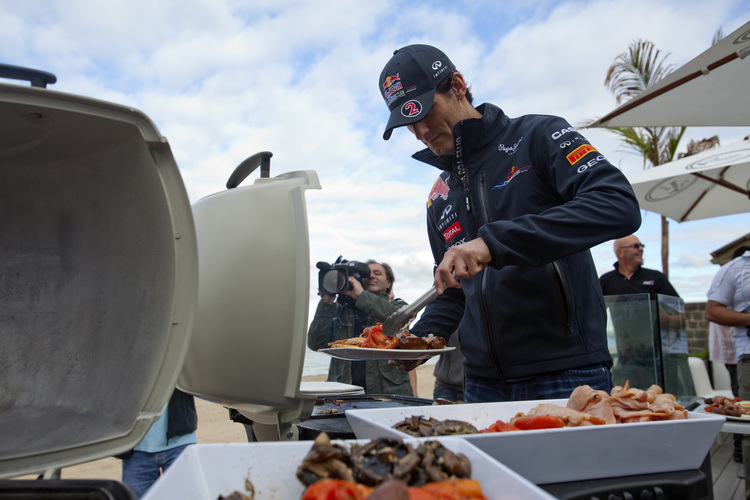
(511,218)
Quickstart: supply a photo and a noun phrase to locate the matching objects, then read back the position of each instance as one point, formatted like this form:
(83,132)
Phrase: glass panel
(648,342)
(630,334)
(674,345)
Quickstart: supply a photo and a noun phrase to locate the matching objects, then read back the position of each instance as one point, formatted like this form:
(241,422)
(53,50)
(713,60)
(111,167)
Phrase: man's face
(436,129)
(631,251)
(377,282)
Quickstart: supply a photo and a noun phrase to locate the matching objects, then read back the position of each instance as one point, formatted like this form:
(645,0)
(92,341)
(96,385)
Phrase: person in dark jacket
(339,318)
(165,441)
(511,218)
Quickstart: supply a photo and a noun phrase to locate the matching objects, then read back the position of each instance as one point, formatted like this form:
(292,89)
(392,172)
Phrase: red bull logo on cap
(391,88)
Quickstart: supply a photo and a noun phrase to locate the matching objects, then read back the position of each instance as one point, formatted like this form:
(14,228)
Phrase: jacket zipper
(484,207)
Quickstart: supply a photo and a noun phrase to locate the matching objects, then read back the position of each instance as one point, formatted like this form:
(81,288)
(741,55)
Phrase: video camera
(333,279)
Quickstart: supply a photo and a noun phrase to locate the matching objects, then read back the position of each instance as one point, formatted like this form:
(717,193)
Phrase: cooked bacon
(571,417)
(627,404)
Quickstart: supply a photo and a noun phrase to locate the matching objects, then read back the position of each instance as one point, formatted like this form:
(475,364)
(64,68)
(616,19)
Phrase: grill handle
(247,167)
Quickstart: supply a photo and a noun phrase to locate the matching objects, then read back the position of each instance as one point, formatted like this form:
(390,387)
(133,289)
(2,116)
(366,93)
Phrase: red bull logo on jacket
(439,190)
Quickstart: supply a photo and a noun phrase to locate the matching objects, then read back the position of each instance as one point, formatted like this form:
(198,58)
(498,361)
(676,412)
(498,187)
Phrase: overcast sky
(223,79)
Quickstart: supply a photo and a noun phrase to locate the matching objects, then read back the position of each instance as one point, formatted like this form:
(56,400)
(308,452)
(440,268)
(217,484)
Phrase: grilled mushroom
(419,426)
(440,464)
(382,459)
(325,460)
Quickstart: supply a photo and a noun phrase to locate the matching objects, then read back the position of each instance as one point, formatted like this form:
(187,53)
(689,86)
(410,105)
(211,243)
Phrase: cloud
(224,79)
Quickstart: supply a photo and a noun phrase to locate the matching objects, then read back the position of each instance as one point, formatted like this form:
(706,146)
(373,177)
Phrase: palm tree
(632,72)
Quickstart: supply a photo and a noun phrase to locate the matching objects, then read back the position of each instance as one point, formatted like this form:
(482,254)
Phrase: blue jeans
(142,469)
(444,392)
(556,385)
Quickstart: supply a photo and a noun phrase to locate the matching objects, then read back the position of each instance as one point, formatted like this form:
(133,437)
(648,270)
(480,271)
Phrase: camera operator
(346,315)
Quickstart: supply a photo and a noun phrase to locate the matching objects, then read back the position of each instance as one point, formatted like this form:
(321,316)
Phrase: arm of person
(378,307)
(721,314)
(320,332)
(590,201)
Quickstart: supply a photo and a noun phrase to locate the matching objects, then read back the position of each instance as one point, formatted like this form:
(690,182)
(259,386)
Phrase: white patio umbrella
(710,90)
(708,184)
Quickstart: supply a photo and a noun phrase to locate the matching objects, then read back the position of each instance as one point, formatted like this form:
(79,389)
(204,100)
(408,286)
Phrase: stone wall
(697,329)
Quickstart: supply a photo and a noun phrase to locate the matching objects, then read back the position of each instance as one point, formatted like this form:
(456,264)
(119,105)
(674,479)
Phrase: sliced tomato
(452,489)
(530,422)
(375,338)
(336,489)
(500,426)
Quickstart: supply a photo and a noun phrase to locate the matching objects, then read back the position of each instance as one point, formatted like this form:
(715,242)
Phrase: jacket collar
(476,133)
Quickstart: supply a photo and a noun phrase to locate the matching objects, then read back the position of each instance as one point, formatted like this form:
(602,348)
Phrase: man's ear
(459,85)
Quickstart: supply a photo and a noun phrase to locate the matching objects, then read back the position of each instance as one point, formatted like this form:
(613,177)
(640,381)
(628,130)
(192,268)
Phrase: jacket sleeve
(593,202)
(321,329)
(441,316)
(378,307)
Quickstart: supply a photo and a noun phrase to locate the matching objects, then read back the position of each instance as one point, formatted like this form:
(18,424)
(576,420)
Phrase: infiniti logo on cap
(436,65)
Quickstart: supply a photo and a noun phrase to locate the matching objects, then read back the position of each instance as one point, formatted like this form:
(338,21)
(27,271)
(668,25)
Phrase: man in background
(729,304)
(629,275)
(635,333)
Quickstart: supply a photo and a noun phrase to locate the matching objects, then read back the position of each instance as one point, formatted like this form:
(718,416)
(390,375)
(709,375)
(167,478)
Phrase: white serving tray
(203,472)
(569,454)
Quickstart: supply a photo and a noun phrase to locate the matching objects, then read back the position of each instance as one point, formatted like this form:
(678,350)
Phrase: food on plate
(436,342)
(374,338)
(585,406)
(412,342)
(393,489)
(731,407)
(378,461)
(419,426)
(625,404)
(336,489)
(236,495)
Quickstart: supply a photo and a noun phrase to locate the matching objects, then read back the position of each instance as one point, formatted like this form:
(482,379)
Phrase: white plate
(205,471)
(745,418)
(364,353)
(568,454)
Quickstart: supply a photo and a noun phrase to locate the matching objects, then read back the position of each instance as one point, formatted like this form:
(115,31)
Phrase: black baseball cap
(408,83)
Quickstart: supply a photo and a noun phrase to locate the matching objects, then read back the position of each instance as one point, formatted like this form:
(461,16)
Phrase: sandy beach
(214,426)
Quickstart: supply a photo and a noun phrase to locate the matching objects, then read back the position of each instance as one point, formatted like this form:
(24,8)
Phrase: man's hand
(327,298)
(406,365)
(356,290)
(461,262)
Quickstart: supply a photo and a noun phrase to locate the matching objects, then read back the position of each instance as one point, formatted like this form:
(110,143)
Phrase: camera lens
(335,281)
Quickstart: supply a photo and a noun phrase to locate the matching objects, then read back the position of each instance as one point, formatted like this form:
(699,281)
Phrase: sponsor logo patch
(515,171)
(411,108)
(454,230)
(439,190)
(579,153)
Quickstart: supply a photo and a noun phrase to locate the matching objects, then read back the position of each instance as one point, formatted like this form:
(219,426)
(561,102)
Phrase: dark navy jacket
(540,196)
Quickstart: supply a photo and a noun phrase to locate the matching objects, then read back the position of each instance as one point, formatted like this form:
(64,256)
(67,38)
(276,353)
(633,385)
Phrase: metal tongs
(398,320)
